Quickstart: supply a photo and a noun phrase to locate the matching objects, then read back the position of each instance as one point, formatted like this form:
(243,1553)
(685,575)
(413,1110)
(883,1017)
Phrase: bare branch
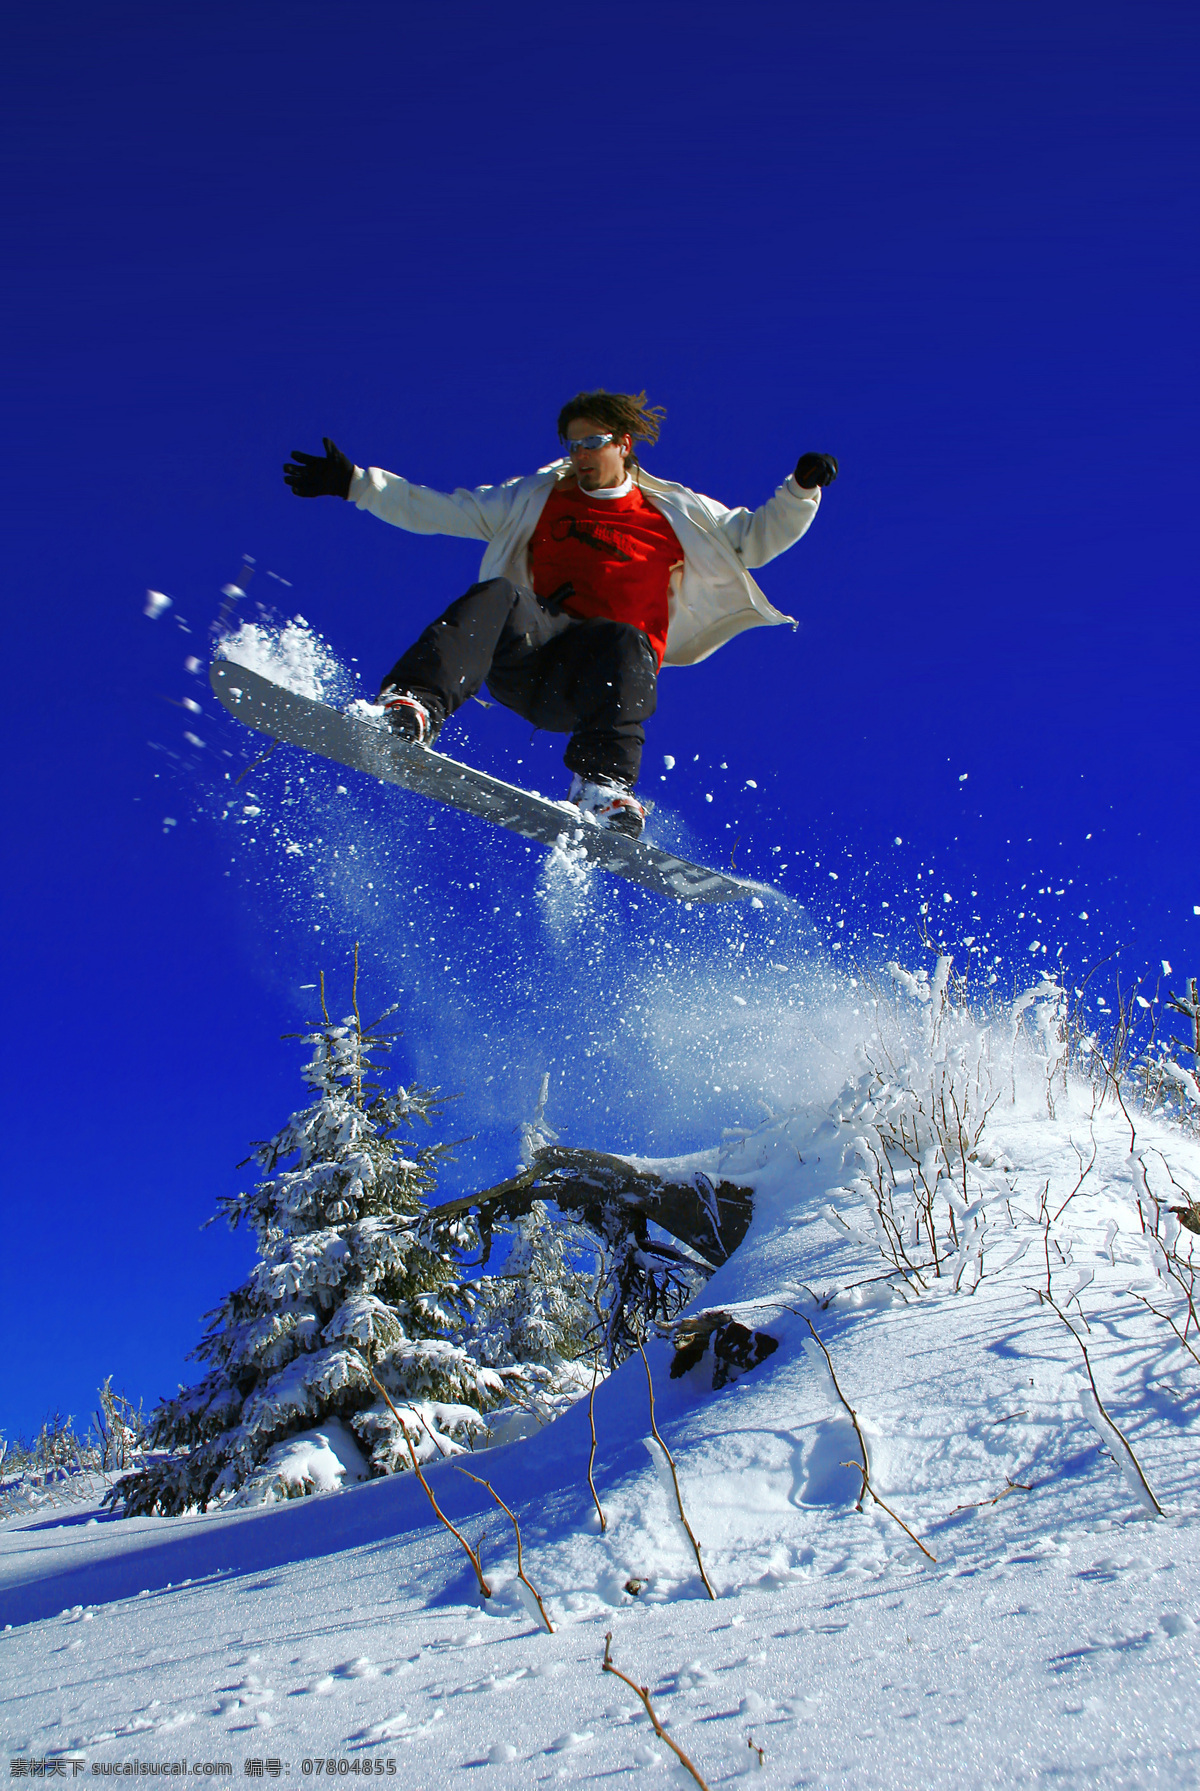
(484,1589)
(1084,1173)
(674,1476)
(1166,1315)
(643,1692)
(592,1455)
(1130,1457)
(516,1526)
(1010,1486)
(865,1467)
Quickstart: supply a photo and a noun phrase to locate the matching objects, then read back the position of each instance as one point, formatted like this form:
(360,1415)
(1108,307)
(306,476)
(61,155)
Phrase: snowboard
(367,744)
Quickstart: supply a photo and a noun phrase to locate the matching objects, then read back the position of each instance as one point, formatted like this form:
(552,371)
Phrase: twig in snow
(484,1589)
(674,1476)
(1010,1486)
(643,1692)
(864,1467)
(1131,1458)
(592,1455)
(517,1528)
(755,1749)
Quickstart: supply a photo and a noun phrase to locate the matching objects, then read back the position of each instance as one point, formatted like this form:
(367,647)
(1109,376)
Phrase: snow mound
(321,1460)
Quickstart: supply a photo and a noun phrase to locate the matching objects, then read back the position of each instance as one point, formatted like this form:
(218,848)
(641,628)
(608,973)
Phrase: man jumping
(595,575)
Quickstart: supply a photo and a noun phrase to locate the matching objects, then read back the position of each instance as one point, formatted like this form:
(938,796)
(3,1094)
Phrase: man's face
(598,468)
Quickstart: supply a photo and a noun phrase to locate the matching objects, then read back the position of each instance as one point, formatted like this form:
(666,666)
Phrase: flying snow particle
(751,785)
(192,708)
(157,603)
(963,776)
(192,739)
(191,663)
(898,841)
(1083,914)
(232,591)
(946,896)
(1167,971)
(669,761)
(708,799)
(1196,908)
(170,821)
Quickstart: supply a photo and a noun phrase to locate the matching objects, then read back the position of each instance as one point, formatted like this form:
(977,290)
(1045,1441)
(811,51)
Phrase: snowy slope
(1053,1639)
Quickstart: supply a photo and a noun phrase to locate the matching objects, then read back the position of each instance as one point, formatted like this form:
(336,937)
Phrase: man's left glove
(816,469)
(319,475)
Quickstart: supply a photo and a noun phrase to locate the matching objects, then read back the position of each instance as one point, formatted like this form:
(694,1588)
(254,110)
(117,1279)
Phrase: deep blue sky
(954,245)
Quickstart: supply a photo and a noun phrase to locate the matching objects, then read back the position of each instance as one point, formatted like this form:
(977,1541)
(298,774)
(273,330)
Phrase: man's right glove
(319,475)
(816,469)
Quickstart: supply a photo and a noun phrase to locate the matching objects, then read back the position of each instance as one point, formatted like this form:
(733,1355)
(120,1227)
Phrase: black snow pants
(592,679)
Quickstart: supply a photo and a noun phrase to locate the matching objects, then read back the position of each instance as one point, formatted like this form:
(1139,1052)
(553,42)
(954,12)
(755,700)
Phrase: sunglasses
(589,443)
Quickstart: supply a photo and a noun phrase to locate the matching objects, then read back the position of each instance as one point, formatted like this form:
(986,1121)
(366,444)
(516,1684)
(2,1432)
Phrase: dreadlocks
(625,413)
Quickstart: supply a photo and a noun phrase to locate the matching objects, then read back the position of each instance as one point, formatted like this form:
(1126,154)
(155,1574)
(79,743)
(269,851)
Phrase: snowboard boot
(611,804)
(415,718)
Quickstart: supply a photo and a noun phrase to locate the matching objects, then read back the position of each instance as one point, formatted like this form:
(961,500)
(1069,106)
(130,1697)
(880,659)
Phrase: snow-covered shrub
(1167,1084)
(915,1131)
(351,1281)
(119,1430)
(915,1120)
(59,1464)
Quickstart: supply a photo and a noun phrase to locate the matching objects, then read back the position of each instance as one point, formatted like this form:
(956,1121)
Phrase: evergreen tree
(536,1320)
(351,1276)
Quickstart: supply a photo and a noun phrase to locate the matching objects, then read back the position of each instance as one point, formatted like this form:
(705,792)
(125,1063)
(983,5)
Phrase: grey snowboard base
(369,745)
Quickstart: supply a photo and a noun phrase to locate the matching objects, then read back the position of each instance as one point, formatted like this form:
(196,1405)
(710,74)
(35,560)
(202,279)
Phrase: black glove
(319,475)
(816,469)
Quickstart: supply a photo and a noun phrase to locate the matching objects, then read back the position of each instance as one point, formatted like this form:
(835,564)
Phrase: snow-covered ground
(1052,1640)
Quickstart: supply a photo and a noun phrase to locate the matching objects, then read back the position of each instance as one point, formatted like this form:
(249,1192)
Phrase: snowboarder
(595,575)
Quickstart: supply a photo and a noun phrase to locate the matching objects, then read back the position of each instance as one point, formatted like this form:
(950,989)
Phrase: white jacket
(712,595)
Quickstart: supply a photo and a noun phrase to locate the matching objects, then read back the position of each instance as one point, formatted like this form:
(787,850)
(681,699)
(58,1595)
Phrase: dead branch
(583,1183)
(484,1589)
(864,1467)
(643,1692)
(1084,1173)
(1169,1320)
(1050,1301)
(674,1476)
(592,1455)
(1010,1486)
(517,1528)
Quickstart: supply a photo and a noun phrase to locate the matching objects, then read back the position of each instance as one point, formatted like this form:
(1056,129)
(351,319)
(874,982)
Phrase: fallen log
(613,1197)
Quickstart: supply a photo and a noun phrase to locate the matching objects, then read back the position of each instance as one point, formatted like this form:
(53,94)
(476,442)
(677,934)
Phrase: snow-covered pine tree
(350,1276)
(535,1319)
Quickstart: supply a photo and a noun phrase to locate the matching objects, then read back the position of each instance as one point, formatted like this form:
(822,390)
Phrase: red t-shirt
(617,552)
